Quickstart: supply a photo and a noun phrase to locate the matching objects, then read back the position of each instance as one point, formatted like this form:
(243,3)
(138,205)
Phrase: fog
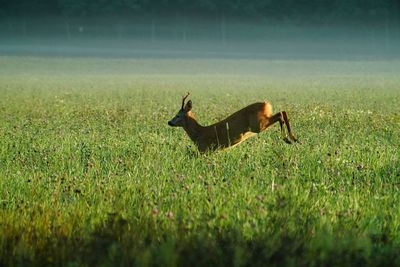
(166,37)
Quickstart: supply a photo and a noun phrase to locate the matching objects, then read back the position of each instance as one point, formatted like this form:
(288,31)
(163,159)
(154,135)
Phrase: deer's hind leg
(286,121)
(266,122)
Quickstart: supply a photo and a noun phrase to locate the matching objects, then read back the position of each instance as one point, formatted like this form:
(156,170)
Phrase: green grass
(90,173)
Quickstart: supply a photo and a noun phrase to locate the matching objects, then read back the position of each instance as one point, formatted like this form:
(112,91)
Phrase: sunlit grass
(91,173)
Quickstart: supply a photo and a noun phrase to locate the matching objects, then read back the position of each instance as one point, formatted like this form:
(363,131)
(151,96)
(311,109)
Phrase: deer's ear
(188,106)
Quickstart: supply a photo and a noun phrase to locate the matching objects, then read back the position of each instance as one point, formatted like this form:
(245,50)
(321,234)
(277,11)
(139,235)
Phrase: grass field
(91,174)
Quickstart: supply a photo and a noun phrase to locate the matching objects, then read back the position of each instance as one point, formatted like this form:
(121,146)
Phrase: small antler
(183,99)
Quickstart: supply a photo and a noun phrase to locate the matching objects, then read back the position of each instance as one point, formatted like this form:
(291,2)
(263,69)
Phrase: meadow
(91,174)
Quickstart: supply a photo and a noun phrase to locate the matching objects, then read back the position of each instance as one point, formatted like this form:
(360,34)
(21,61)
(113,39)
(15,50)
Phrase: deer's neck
(193,129)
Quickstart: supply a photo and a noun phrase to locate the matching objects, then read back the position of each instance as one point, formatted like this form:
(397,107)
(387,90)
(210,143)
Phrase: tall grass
(90,173)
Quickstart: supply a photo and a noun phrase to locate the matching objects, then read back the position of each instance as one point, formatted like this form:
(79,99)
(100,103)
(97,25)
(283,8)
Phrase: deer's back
(251,112)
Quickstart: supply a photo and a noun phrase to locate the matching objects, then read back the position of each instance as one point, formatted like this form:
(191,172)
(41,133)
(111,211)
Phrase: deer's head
(182,115)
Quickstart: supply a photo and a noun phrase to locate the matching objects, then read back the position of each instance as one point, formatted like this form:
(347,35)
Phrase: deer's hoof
(287,140)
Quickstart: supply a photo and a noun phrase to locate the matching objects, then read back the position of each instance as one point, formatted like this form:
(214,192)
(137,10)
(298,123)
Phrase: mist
(197,31)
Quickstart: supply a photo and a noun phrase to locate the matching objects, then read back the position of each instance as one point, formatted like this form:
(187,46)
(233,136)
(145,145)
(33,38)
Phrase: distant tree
(28,7)
(85,8)
(280,10)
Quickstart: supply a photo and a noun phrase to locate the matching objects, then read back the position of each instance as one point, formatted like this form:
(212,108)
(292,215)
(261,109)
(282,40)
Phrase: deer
(232,130)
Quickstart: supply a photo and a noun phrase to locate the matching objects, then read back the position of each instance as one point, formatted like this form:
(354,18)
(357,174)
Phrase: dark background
(304,11)
(211,28)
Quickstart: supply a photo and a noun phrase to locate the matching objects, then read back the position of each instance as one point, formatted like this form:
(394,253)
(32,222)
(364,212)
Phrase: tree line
(304,10)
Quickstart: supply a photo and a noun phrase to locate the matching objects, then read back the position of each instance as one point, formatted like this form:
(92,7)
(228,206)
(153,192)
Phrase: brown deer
(233,130)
